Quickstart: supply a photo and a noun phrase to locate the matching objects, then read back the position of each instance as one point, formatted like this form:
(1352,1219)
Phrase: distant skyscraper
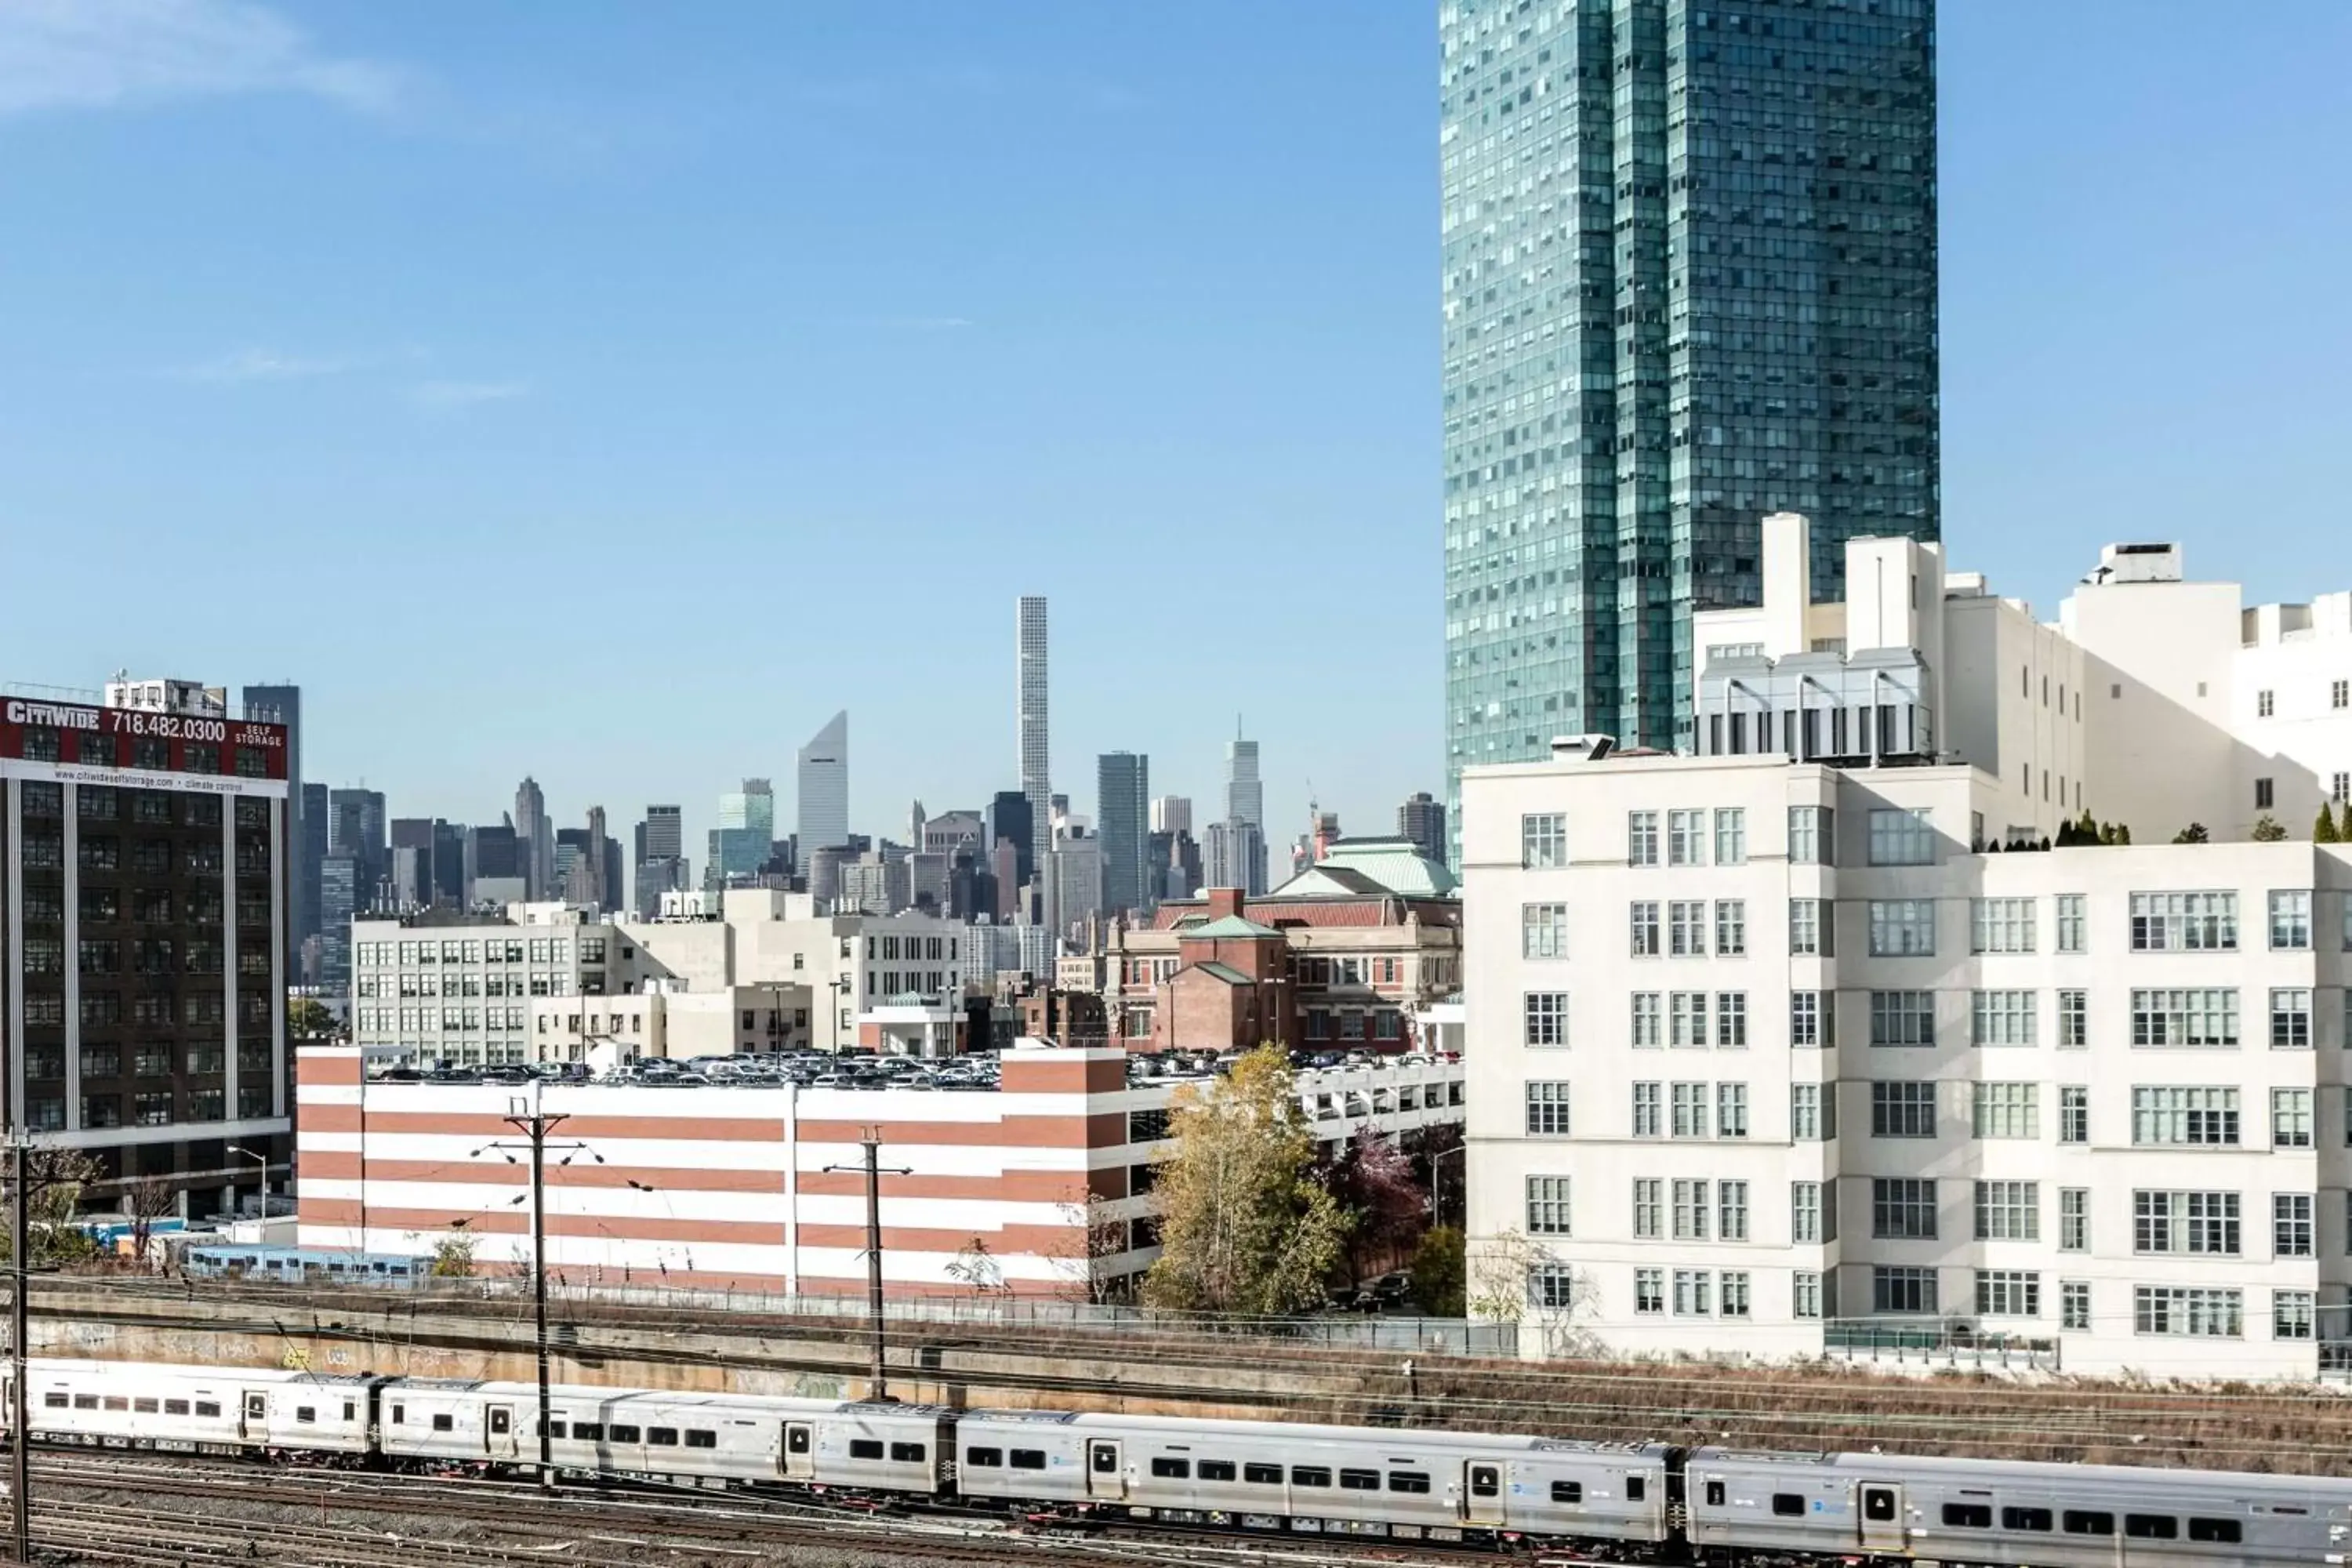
(1010,814)
(1172,814)
(603,888)
(315,812)
(824,785)
(536,834)
(740,844)
(1244,796)
(356,826)
(338,903)
(660,858)
(411,867)
(1122,796)
(282,704)
(1035,730)
(449,863)
(1421,818)
(1233,855)
(1689,279)
(494,865)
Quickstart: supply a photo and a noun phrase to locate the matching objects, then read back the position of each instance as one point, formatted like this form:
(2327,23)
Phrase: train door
(255,1427)
(1106,1470)
(800,1451)
(1481,1492)
(499,1432)
(1882,1517)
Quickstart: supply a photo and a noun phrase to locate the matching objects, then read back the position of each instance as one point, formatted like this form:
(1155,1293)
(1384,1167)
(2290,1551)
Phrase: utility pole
(20,1509)
(535,1125)
(878,1378)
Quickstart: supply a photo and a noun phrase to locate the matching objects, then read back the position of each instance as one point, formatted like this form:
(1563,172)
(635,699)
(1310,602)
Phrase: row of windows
(1700,837)
(495,950)
(46,1114)
(154,809)
(46,744)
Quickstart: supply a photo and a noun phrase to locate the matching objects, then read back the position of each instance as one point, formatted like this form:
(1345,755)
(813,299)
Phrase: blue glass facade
(1689,263)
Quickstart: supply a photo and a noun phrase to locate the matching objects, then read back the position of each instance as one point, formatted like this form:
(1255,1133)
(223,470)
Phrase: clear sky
(611,391)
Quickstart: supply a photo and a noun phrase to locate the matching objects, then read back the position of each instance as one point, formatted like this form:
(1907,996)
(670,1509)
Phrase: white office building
(1780,1049)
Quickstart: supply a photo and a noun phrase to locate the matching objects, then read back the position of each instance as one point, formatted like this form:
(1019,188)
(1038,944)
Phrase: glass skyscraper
(1690,259)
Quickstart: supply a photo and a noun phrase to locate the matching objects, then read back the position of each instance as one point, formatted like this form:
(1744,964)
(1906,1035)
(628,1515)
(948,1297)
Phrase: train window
(1567,1491)
(210,1411)
(2225,1531)
(1174,1470)
(351,1410)
(445,1422)
(908,1453)
(1486,1480)
(2025,1519)
(620,1433)
(1026,1458)
(2079,1521)
(85,1401)
(587,1431)
(118,1401)
(146,1406)
(1636,1486)
(2151,1527)
(55,1399)
(1262,1475)
(1360,1480)
(306,1413)
(1878,1503)
(555,1427)
(1788,1505)
(1217,1469)
(796,1439)
(662,1436)
(1967,1515)
(1404,1480)
(984,1459)
(864,1449)
(1309,1476)
(1715,1494)
(698,1438)
(399,1413)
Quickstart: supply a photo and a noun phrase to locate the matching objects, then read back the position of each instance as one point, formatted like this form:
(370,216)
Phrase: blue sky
(612,391)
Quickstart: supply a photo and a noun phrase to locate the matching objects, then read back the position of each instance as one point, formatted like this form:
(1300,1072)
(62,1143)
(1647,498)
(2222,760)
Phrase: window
(2266,794)
(1805,928)
(1649,1207)
(2073,1113)
(1731,1110)
(2292,1314)
(983,1458)
(1805,1213)
(1548,1213)
(2031,1519)
(2007,1109)
(2073,926)
(1687,1012)
(2340,694)
(1548,1108)
(2000,925)
(2184,923)
(2291,1229)
(1731,1019)
(1902,1017)
(1649,1108)
(1414,1482)
(1810,835)
(1547,1017)
(1689,1104)
(2074,1304)
(1805,1294)
(2073,1219)
(1648,1027)
(1903,1290)
(1025,1458)
(1902,928)
(1164,1467)
(1649,1290)
(1730,835)
(1690,1210)
(1693,1288)
(1543,840)
(1969,1515)
(1902,837)
(1640,838)
(2083,1521)
(1309,1476)
(1902,1109)
(1567,1491)
(2202,1115)
(666,1437)
(1262,1475)
(1686,839)
(2001,1018)
(1903,1209)
(1731,927)
(2202,1313)
(1805,1019)
(1731,1299)
(445,1422)
(2265,704)
(2291,1118)
(1731,1211)
(1644,921)
(2073,1020)
(2200,1224)
(1543,931)
(2192,1020)
(2291,921)
(1812,1113)
(1686,928)
(2009,1211)
(2290,1019)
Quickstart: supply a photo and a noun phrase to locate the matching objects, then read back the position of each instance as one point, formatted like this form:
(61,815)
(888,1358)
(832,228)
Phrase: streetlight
(262,1160)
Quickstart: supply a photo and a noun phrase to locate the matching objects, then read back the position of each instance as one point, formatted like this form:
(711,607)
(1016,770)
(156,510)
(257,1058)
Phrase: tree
(1374,1182)
(1503,1288)
(149,1199)
(1244,1226)
(452,1255)
(55,1180)
(2323,827)
(2194,834)
(1095,1240)
(1437,1278)
(2267,830)
(307,1019)
(975,1265)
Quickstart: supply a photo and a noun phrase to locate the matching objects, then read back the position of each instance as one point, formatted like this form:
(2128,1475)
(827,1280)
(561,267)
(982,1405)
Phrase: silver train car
(1415,1484)
(197,1409)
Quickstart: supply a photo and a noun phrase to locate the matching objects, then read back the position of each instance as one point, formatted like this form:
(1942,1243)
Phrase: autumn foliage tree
(1245,1227)
(1374,1182)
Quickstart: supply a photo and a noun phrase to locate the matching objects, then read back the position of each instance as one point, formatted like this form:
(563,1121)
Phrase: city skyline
(245,393)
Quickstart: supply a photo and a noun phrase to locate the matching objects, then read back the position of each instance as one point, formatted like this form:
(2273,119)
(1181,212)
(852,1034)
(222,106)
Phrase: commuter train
(1630,1502)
